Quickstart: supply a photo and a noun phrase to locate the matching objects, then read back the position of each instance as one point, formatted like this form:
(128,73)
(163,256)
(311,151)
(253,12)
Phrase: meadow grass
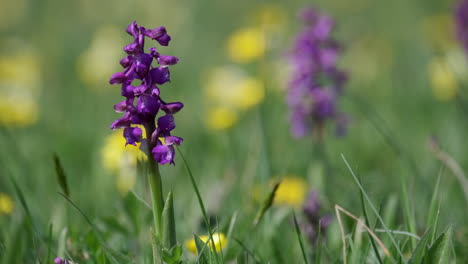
(392,190)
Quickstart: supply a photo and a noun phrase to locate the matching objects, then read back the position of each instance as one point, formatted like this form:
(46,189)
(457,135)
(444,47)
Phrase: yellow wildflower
(220,118)
(443,80)
(93,65)
(291,192)
(12,13)
(218,238)
(373,55)
(439,31)
(232,87)
(246,45)
(252,93)
(121,160)
(19,87)
(6,204)
(270,17)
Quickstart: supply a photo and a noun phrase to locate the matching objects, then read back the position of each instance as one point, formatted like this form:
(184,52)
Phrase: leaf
(266,204)
(408,212)
(433,215)
(248,252)
(200,201)
(168,223)
(114,256)
(299,238)
(49,244)
(61,176)
(439,251)
(173,255)
(62,243)
(318,248)
(202,250)
(419,252)
(387,230)
(366,218)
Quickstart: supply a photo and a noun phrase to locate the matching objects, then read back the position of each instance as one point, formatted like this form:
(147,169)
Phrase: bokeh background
(405,71)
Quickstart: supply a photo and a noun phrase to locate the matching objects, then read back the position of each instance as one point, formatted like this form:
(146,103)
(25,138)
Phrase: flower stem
(154,178)
(155,183)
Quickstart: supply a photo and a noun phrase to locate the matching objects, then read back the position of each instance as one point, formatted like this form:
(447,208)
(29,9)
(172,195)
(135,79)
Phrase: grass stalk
(373,208)
(299,238)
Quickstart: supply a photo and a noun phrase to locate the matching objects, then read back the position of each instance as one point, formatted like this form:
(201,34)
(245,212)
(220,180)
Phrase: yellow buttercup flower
(439,31)
(443,80)
(220,118)
(219,240)
(373,56)
(6,204)
(93,64)
(19,88)
(291,192)
(252,93)
(232,87)
(12,13)
(121,160)
(270,17)
(246,45)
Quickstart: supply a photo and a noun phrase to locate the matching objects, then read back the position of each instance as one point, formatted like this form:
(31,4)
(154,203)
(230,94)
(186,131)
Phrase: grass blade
(248,251)
(373,207)
(452,165)
(419,252)
(62,243)
(366,218)
(61,176)
(318,252)
(200,201)
(204,255)
(439,251)
(49,244)
(168,223)
(433,215)
(113,255)
(29,219)
(232,223)
(266,204)
(408,212)
(299,238)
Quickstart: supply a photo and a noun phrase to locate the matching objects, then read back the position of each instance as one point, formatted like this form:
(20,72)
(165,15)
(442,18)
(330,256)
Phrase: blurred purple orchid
(316,81)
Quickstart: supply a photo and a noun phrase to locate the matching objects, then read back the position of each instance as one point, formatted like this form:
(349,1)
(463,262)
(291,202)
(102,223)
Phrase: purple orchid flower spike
(316,81)
(461,23)
(138,67)
(314,218)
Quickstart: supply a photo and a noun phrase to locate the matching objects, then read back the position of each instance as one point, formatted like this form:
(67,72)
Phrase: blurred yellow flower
(439,31)
(246,45)
(270,17)
(6,204)
(12,13)
(253,93)
(291,192)
(93,64)
(232,87)
(218,238)
(443,79)
(220,118)
(19,87)
(372,55)
(121,160)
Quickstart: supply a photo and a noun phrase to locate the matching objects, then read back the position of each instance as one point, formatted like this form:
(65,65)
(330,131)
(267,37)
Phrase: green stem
(155,183)
(154,178)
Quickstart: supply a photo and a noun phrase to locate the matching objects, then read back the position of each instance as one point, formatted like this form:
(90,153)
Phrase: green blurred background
(56,57)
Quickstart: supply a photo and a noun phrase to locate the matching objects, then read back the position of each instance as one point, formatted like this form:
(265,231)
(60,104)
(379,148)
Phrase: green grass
(67,204)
